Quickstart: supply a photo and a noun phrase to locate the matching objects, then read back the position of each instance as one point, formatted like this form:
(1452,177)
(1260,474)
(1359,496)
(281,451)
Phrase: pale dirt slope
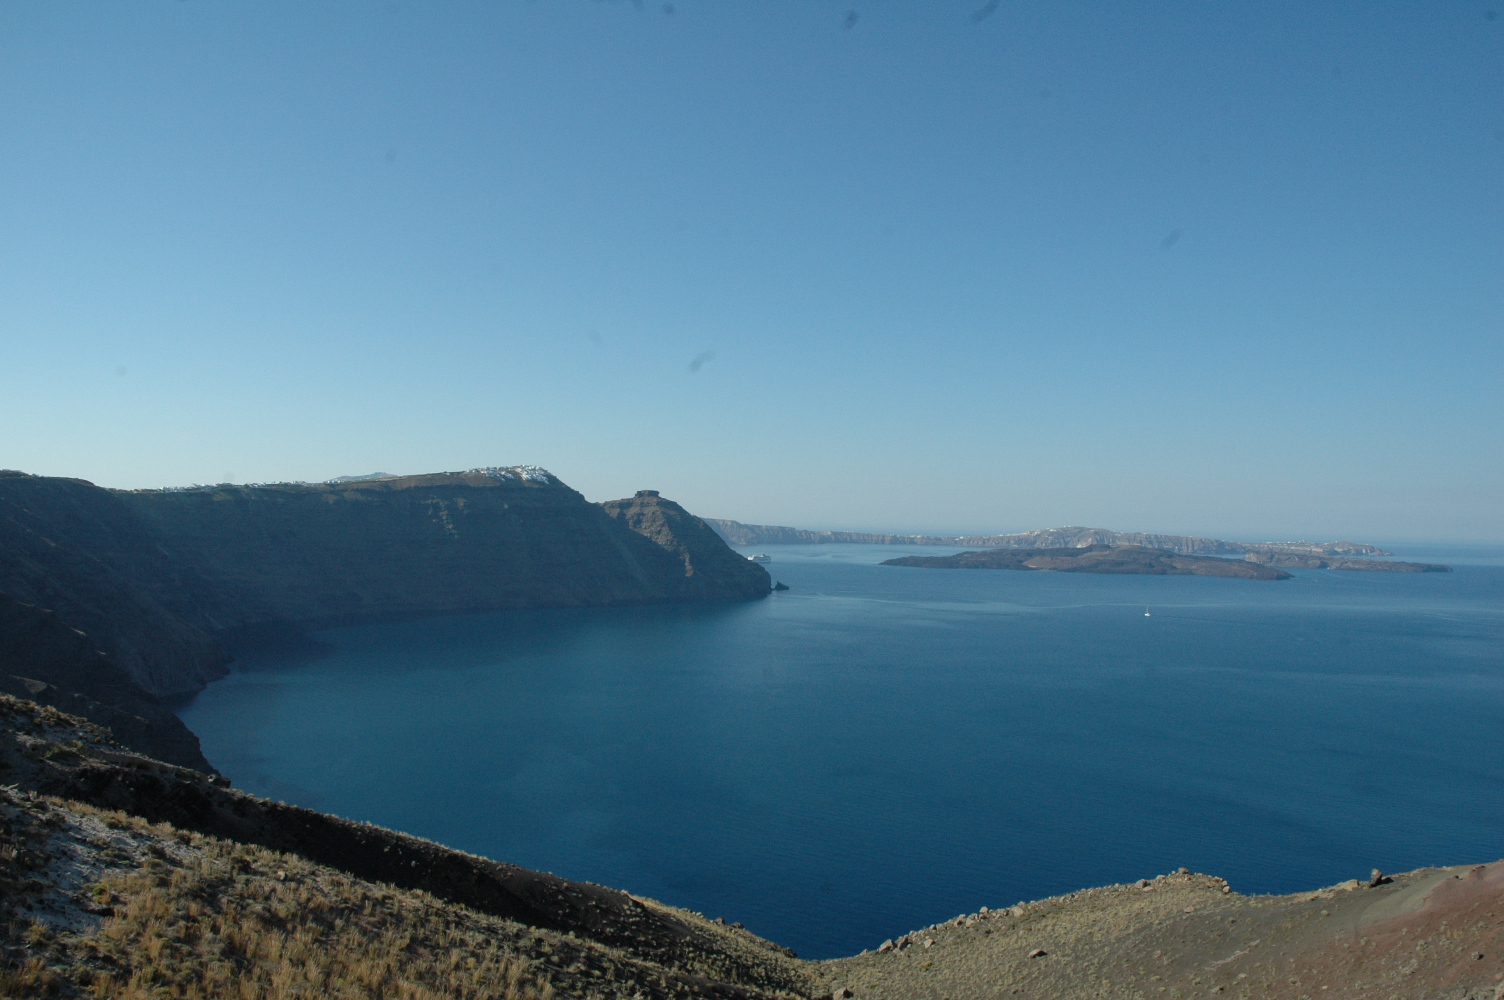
(1432,933)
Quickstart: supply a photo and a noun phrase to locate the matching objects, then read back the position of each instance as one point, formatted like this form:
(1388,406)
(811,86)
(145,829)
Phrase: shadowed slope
(43,660)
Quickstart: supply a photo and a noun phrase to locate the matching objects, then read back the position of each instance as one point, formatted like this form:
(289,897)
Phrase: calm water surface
(880,748)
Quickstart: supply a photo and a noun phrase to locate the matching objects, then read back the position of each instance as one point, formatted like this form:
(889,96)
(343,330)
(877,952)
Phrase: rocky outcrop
(705,567)
(1123,559)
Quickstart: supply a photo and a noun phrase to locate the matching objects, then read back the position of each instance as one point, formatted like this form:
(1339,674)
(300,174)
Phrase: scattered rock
(885,947)
(844,993)
(1017,911)
(929,943)
(1377,879)
(1038,953)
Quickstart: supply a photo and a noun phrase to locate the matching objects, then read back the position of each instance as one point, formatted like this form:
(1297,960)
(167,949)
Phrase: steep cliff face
(706,567)
(154,576)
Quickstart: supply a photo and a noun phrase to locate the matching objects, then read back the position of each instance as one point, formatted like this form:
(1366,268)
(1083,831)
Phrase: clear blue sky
(1218,268)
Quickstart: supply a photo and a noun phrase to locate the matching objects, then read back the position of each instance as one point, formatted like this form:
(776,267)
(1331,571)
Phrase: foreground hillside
(1434,933)
(121,879)
(124,877)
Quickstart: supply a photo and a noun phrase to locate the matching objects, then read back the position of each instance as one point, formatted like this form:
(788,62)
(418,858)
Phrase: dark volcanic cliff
(425,545)
(157,577)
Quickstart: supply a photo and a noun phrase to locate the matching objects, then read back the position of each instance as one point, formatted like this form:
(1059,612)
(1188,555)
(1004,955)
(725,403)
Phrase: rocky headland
(153,586)
(1120,559)
(125,876)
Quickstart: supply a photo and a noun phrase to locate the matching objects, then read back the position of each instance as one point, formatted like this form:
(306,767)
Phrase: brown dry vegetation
(229,920)
(585,940)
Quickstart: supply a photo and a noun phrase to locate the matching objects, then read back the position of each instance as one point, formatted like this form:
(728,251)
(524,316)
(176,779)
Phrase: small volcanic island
(1134,559)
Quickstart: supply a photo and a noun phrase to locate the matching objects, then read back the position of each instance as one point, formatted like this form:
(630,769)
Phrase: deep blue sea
(880,748)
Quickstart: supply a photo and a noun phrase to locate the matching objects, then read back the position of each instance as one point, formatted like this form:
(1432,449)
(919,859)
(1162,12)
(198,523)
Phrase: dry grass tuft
(205,918)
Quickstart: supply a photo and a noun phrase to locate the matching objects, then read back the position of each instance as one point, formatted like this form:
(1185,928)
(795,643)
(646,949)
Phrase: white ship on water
(761,558)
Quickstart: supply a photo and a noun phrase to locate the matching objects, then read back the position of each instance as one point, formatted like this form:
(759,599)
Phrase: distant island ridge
(1287,555)
(1106,559)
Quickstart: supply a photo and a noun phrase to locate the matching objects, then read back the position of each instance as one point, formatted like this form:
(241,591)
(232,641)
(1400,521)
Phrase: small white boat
(761,558)
(1146,613)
